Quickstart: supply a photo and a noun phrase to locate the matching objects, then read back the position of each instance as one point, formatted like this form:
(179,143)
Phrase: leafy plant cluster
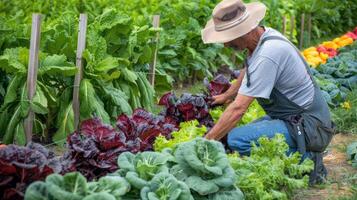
(345,114)
(21,166)
(338,76)
(75,186)
(269,173)
(109,75)
(95,148)
(352,154)
(187,132)
(198,169)
(199,106)
(181,52)
(340,14)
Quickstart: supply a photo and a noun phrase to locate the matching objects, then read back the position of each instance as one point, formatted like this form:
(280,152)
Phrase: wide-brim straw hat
(232,19)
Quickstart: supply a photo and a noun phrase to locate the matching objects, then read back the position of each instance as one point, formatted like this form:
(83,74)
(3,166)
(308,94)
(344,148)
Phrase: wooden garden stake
(309,27)
(302,30)
(292,22)
(284,25)
(81,45)
(156,24)
(32,71)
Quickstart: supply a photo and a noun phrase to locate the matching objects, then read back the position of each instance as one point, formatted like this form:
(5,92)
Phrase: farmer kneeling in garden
(277,76)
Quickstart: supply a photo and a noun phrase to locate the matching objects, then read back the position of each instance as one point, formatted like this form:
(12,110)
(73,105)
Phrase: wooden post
(156,24)
(302,30)
(284,25)
(32,71)
(309,27)
(292,26)
(81,45)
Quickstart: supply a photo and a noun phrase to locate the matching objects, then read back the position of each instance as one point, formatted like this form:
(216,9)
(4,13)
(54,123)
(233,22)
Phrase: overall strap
(297,51)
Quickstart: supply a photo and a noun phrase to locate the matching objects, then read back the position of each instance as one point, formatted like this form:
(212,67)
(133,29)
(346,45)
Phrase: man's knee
(237,141)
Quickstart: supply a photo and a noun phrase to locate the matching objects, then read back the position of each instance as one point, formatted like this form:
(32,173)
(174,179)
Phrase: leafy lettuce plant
(165,186)
(268,173)
(254,112)
(139,169)
(114,185)
(187,132)
(74,186)
(203,166)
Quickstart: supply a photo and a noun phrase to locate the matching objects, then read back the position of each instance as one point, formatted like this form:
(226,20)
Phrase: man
(278,77)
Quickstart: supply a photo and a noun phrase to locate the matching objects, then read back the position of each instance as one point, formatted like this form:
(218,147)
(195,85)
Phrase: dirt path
(341,174)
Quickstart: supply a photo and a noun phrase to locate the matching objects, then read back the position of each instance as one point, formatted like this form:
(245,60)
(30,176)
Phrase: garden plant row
(146,155)
(334,66)
(119,50)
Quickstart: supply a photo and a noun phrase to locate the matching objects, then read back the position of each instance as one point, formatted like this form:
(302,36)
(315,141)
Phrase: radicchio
(20,166)
(94,150)
(186,108)
(218,85)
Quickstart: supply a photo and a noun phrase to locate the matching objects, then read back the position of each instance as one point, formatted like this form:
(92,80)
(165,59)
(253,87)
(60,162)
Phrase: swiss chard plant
(53,72)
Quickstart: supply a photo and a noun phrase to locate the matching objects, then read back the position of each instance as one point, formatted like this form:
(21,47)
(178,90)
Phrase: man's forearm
(233,90)
(226,122)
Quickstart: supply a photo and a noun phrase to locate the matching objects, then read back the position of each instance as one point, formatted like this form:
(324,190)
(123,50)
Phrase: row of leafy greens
(198,169)
(110,85)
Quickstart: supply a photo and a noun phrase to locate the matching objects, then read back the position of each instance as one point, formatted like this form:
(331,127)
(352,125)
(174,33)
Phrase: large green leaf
(58,70)
(90,104)
(20,137)
(12,89)
(129,75)
(48,92)
(101,196)
(14,60)
(117,98)
(70,186)
(24,101)
(57,65)
(65,122)
(37,191)
(11,126)
(39,102)
(5,116)
(107,64)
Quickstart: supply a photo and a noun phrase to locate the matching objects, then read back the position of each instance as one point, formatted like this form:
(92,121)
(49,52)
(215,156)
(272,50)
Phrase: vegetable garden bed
(121,149)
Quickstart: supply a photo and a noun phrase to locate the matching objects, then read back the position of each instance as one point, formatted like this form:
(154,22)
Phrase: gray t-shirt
(277,64)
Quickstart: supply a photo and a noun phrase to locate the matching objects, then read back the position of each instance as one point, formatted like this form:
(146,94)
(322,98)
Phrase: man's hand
(231,93)
(230,117)
(221,99)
